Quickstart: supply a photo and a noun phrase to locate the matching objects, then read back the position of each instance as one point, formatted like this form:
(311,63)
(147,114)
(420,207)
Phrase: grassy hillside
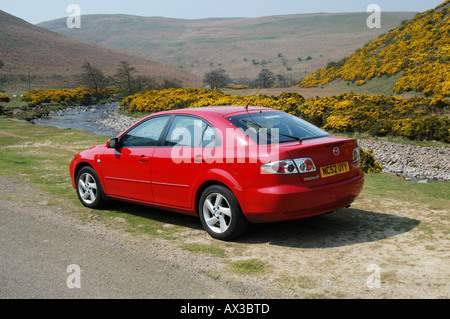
(55,60)
(290,45)
(417,54)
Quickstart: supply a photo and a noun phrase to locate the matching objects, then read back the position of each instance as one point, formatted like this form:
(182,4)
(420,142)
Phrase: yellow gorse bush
(4,98)
(368,162)
(237,87)
(378,115)
(420,48)
(79,95)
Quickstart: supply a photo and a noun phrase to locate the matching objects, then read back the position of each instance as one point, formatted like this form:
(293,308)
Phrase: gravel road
(38,242)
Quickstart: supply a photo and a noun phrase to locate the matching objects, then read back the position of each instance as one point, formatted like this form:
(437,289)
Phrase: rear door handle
(144,158)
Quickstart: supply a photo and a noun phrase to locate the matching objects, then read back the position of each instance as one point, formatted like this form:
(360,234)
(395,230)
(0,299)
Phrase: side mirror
(113,143)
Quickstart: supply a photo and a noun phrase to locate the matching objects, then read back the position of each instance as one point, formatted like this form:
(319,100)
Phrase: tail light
(285,167)
(281,167)
(305,165)
(356,155)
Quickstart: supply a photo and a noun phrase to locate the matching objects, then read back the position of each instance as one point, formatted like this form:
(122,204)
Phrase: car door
(179,163)
(127,168)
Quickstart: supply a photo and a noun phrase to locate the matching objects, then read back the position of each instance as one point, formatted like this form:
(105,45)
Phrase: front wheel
(221,214)
(89,189)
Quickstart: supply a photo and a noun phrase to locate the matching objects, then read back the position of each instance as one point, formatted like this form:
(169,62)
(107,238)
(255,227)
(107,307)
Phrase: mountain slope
(55,60)
(418,50)
(290,45)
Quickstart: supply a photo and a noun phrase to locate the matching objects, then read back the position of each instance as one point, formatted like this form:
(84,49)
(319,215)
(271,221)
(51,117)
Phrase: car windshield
(268,127)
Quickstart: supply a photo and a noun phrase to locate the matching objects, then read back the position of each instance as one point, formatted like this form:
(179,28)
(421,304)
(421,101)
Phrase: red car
(229,165)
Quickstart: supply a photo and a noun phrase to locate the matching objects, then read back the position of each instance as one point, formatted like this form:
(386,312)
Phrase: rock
(120,220)
(414,162)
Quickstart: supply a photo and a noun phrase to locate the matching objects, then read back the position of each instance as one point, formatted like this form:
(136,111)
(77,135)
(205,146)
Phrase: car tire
(89,188)
(221,214)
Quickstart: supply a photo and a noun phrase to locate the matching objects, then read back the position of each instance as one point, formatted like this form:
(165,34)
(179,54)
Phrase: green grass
(377,85)
(15,102)
(435,196)
(42,154)
(248,266)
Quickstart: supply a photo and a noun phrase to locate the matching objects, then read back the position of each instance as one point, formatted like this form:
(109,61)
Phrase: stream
(83,118)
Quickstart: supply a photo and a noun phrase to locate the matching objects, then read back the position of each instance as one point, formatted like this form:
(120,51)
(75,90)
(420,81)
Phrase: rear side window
(189,131)
(269,127)
(209,137)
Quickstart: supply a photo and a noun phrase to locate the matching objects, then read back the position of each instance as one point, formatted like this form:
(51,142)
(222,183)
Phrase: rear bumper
(289,202)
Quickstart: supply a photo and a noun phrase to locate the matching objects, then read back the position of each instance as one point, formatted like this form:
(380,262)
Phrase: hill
(416,55)
(55,60)
(290,45)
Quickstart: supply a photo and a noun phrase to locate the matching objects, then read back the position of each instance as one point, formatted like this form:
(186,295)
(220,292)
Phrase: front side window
(145,134)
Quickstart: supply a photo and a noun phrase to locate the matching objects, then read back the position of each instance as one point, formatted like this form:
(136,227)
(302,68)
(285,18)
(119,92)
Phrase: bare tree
(265,78)
(216,79)
(124,77)
(94,78)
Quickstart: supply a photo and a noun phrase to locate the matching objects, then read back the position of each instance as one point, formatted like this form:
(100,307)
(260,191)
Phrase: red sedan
(229,165)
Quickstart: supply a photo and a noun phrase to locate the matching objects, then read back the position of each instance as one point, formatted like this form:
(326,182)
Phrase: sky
(44,10)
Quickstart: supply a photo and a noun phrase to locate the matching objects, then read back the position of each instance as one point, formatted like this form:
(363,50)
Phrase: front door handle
(198,159)
(144,158)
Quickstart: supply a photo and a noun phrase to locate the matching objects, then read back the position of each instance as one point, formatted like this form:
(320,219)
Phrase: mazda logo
(336,151)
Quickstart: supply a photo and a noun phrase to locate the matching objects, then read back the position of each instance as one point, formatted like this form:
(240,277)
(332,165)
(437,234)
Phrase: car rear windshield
(269,127)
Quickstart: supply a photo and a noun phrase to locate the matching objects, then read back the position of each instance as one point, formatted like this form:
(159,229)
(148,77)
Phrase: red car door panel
(127,168)
(179,164)
(127,173)
(173,181)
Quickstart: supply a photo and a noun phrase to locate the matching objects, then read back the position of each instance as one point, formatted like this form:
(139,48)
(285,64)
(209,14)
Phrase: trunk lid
(332,156)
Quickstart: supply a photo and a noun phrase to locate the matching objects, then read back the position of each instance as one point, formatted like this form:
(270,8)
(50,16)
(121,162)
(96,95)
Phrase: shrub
(360,82)
(368,162)
(4,98)
(76,96)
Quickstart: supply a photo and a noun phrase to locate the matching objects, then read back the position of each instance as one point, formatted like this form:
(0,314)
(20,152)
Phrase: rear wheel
(89,189)
(221,214)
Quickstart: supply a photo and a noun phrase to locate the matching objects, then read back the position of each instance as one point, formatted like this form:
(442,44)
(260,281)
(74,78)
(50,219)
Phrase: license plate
(335,169)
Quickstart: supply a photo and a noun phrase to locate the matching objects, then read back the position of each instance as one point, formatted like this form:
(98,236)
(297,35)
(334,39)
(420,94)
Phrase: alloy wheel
(217,213)
(87,188)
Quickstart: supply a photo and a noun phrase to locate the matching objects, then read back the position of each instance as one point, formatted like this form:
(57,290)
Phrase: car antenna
(259,89)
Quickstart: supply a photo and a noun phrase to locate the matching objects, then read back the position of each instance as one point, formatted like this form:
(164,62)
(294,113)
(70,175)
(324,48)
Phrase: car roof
(224,110)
